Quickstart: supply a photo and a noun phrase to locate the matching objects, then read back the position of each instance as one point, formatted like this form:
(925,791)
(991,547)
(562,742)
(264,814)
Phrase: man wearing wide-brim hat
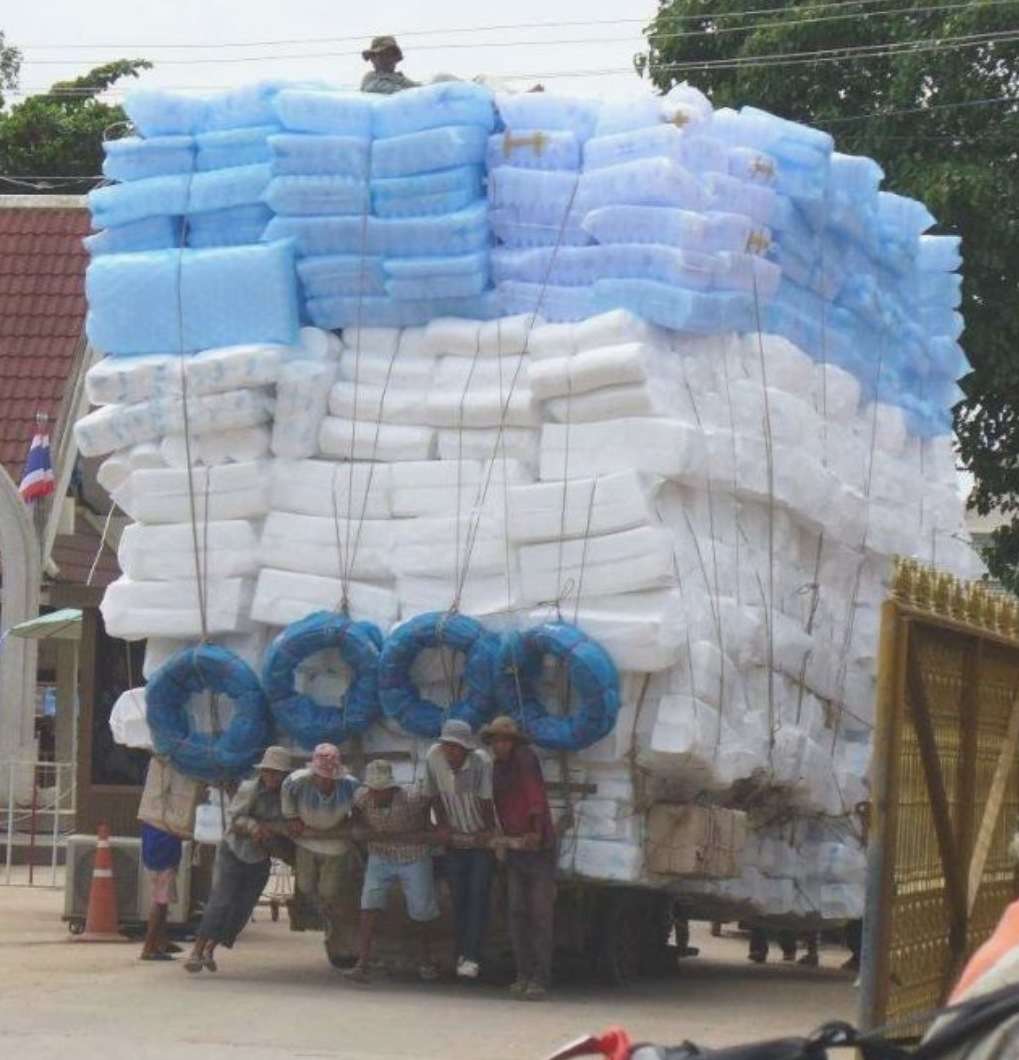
(254,821)
(521,804)
(384,54)
(387,809)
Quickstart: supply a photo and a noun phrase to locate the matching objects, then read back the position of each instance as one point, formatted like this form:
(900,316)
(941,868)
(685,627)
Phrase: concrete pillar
(19,601)
(67,701)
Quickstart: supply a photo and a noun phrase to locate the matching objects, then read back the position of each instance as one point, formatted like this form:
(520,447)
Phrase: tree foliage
(960,160)
(60,133)
(10,66)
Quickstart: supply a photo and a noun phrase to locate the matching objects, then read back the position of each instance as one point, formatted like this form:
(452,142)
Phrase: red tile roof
(42,315)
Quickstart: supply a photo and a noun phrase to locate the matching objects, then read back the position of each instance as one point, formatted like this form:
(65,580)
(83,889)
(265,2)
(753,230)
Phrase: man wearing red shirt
(521,803)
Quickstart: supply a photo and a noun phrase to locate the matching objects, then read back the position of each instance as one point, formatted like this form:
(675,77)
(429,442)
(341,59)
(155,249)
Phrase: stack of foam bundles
(705,403)
(385,197)
(188,212)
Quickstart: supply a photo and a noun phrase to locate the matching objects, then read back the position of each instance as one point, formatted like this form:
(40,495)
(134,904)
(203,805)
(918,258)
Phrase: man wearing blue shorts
(385,808)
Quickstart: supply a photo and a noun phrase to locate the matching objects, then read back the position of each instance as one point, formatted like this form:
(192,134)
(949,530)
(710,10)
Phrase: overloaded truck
(607,415)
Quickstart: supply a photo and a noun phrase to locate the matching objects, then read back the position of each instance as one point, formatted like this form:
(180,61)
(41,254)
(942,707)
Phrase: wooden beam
(951,866)
(995,800)
(968,724)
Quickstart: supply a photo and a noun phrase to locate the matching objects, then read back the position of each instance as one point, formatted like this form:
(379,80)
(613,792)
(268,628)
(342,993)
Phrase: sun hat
(275,758)
(325,761)
(505,727)
(378,775)
(380,45)
(458,732)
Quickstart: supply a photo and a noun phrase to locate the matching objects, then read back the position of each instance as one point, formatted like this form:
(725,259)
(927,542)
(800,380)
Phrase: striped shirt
(462,790)
(408,812)
(301,799)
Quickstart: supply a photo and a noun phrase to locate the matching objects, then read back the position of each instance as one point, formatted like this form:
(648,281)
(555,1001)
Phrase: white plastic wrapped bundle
(128,723)
(430,487)
(302,394)
(512,443)
(609,366)
(372,402)
(134,610)
(238,446)
(319,487)
(656,446)
(167,553)
(329,546)
(387,442)
(163,495)
(282,597)
(116,426)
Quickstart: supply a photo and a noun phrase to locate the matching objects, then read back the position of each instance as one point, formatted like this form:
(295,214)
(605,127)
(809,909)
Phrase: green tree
(10,66)
(961,160)
(61,132)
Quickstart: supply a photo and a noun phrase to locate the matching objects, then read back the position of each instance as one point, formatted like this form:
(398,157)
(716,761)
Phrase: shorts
(164,885)
(416,878)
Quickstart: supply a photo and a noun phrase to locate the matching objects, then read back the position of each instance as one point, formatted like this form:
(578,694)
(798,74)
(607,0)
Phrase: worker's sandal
(357,974)
(194,964)
(210,965)
(535,992)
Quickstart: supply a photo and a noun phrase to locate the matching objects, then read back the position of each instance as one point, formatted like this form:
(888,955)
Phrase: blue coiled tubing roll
(207,756)
(297,714)
(592,676)
(402,701)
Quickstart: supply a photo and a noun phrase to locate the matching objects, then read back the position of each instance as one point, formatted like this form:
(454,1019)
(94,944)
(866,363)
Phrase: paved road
(276,997)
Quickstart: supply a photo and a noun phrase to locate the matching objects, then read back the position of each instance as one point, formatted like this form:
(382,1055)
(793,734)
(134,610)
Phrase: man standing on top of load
(254,821)
(314,800)
(384,54)
(401,814)
(458,778)
(521,803)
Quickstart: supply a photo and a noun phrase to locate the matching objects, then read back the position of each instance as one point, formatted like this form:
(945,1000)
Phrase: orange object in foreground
(1004,940)
(102,921)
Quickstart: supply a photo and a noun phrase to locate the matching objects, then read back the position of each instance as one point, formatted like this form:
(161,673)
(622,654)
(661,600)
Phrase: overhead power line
(368,34)
(576,42)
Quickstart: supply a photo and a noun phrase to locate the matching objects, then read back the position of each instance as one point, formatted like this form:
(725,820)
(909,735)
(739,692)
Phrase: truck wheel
(619,948)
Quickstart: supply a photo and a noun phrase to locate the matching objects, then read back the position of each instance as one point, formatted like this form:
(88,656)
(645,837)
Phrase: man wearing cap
(315,800)
(384,54)
(458,779)
(385,808)
(521,803)
(254,821)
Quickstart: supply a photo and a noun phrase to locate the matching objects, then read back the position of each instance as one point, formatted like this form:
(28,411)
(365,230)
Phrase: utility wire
(654,37)
(366,35)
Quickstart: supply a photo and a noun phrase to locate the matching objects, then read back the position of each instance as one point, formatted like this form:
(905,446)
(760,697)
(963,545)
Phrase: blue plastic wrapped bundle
(687,229)
(541,192)
(158,112)
(947,357)
(761,204)
(297,714)
(646,182)
(222,188)
(514,227)
(462,232)
(545,110)
(226,296)
(207,756)
(701,312)
(152,233)
(318,195)
(396,313)
(333,275)
(553,303)
(230,227)
(234,147)
(307,153)
(336,113)
(657,141)
(134,158)
(244,107)
(429,150)
(593,679)
(420,279)
(427,194)
(533,149)
(432,106)
(939,254)
(122,204)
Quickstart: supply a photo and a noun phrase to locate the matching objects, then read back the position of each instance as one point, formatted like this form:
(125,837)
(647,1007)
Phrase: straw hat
(458,732)
(275,758)
(503,727)
(378,775)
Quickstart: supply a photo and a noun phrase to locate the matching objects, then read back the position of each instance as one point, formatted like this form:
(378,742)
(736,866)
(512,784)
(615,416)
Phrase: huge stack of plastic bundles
(179,263)
(392,226)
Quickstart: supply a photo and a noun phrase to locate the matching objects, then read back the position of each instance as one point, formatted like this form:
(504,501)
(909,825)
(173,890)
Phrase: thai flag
(38,481)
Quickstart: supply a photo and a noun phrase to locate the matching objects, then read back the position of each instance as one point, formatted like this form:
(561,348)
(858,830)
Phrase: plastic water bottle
(429,150)
(307,153)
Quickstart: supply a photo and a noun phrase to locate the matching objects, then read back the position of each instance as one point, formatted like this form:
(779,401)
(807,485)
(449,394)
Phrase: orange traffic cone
(102,921)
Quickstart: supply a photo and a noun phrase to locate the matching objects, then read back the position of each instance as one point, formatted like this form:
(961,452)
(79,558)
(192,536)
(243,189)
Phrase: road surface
(276,997)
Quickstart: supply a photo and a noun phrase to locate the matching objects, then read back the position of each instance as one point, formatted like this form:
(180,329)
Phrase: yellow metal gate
(945,788)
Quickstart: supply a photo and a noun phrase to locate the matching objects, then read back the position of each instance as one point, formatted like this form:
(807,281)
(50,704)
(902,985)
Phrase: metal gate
(945,789)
